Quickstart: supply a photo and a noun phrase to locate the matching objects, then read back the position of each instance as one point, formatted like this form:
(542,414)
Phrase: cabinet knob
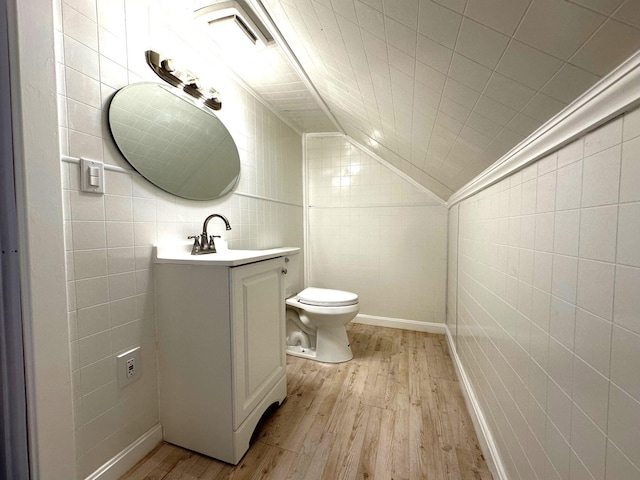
(284,271)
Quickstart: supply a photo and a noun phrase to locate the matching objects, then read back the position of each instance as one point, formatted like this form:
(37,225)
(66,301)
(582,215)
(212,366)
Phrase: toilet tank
(293,278)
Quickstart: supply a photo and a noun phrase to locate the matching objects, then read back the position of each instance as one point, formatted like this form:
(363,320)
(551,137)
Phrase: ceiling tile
(493,151)
(374,46)
(468,72)
(557,27)
(402,61)
(455,110)
(402,80)
(442,139)
(527,65)
(483,125)
(499,113)
(606,7)
(370,19)
(433,54)
(377,4)
(608,48)
(379,66)
(542,107)
(629,12)
(461,93)
(503,16)
(400,36)
(508,92)
(455,5)
(447,121)
(509,137)
(569,83)
(304,6)
(423,120)
(350,32)
(326,20)
(439,23)
(346,9)
(425,96)
(472,137)
(523,124)
(480,43)
(430,77)
(403,11)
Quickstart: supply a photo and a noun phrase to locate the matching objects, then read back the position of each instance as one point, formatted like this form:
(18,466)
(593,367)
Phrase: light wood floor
(393,412)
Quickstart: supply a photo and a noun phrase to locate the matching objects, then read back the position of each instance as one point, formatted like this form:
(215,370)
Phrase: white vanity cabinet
(221,352)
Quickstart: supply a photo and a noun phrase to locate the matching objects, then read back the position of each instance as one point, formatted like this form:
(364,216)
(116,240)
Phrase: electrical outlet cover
(129,367)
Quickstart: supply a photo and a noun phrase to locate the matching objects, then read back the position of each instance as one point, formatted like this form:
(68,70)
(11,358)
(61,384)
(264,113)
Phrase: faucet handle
(212,244)
(196,244)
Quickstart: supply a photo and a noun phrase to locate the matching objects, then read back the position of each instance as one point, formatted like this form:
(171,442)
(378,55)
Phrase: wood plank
(312,459)
(158,463)
(393,380)
(350,393)
(384,455)
(276,463)
(472,465)
(196,467)
(292,437)
(377,395)
(401,455)
(419,443)
(372,440)
(344,458)
(280,428)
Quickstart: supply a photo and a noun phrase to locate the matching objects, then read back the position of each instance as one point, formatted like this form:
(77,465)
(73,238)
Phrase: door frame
(37,169)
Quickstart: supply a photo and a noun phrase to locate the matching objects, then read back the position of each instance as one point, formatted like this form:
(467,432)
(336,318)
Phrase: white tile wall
(109,237)
(373,233)
(580,277)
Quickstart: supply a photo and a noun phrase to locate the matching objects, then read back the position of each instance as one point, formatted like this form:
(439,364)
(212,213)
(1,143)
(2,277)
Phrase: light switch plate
(91,176)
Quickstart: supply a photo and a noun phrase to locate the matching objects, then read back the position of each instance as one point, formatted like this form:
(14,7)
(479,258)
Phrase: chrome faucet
(205,243)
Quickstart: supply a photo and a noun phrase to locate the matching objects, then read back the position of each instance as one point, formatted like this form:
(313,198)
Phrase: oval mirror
(173,142)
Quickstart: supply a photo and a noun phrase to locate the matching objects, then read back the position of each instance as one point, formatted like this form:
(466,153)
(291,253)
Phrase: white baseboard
(127,458)
(429,327)
(485,437)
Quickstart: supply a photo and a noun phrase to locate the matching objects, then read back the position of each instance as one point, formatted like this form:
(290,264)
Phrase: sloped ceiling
(440,89)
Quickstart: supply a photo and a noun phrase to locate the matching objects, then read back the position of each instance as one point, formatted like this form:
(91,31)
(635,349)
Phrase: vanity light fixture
(233,25)
(186,80)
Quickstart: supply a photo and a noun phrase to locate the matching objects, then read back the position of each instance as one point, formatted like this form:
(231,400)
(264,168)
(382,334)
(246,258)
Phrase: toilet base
(332,344)
(298,351)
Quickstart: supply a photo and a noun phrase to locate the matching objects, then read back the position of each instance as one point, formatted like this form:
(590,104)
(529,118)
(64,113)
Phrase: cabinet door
(258,330)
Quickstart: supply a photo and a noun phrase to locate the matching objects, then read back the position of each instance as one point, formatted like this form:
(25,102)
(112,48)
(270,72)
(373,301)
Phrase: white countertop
(180,253)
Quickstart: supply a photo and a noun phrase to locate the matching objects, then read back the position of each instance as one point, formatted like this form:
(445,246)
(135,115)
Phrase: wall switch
(91,176)
(129,367)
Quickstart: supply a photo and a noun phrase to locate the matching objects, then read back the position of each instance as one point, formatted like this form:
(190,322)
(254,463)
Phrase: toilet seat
(324,297)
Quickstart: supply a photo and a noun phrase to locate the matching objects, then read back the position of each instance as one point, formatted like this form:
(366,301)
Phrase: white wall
(100,47)
(372,232)
(548,309)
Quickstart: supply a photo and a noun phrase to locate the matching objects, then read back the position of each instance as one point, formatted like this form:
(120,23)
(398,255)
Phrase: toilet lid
(327,297)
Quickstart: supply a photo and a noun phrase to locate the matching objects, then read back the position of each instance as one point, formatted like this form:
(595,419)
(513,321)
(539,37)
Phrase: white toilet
(316,322)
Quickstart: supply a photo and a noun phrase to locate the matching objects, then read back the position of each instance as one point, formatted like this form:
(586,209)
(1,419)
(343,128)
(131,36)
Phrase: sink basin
(180,253)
